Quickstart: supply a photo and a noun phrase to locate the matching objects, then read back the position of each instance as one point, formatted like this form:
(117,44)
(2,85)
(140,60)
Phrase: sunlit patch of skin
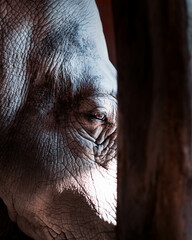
(97,189)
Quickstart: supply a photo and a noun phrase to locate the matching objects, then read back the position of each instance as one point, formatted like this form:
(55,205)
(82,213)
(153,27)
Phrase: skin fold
(58,120)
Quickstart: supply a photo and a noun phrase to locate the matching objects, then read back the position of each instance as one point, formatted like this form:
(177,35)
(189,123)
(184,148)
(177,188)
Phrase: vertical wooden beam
(155,161)
(105,9)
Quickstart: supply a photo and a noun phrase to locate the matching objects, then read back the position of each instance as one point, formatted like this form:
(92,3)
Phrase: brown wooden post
(155,160)
(105,10)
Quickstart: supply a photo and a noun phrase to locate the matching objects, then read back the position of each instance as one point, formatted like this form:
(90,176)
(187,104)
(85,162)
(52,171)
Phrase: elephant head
(58,120)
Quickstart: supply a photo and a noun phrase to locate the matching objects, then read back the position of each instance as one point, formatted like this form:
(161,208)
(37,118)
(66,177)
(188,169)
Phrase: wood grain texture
(154,166)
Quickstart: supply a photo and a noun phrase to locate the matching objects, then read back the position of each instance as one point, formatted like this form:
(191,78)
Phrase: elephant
(58,120)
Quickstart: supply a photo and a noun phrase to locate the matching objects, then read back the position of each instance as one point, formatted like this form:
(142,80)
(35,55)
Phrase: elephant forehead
(68,23)
(70,40)
(75,59)
(53,19)
(78,78)
(86,71)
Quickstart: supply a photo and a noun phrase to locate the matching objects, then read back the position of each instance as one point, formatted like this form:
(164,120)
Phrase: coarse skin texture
(57,120)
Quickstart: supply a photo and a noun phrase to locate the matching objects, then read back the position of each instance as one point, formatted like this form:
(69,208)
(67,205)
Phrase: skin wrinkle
(8,113)
(84,134)
(52,235)
(98,204)
(54,227)
(92,127)
(85,151)
(70,24)
(70,153)
(51,149)
(101,155)
(100,134)
(75,136)
(73,157)
(87,238)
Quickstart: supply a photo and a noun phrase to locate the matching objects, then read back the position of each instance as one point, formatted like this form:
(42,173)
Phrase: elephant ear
(8,229)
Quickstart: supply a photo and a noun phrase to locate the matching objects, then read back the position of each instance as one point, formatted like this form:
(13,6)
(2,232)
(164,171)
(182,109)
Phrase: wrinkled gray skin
(57,120)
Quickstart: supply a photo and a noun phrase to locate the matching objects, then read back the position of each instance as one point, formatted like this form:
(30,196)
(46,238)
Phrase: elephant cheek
(99,187)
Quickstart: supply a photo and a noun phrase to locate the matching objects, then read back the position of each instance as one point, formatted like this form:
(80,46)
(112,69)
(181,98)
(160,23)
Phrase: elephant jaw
(80,207)
(99,191)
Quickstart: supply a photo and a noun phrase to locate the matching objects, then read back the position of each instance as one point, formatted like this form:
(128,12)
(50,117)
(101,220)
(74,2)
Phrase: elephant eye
(99,116)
